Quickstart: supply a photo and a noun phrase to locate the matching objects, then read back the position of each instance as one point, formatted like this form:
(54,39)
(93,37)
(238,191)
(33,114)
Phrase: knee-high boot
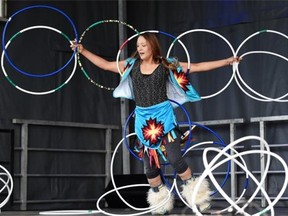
(202,199)
(158,195)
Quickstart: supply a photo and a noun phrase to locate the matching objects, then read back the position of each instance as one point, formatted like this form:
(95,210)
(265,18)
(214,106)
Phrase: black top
(149,89)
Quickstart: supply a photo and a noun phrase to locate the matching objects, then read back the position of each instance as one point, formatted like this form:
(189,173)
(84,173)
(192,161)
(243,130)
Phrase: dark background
(42,51)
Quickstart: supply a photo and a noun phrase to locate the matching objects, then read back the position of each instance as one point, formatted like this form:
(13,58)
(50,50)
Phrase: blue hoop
(131,114)
(4,45)
(188,142)
(28,91)
(221,143)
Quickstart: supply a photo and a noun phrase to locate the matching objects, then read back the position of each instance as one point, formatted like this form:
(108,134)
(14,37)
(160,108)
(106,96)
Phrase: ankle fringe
(154,198)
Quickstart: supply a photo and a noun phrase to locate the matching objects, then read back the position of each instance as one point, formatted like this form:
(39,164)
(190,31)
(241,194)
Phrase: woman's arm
(209,65)
(97,60)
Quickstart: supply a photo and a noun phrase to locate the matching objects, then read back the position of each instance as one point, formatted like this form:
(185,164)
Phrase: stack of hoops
(235,75)
(5,54)
(6,185)
(209,166)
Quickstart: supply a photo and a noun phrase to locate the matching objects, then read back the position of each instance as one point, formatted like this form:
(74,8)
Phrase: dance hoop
(7,184)
(80,40)
(211,166)
(189,123)
(144,210)
(223,182)
(220,143)
(217,34)
(69,212)
(260,97)
(150,31)
(31,92)
(5,45)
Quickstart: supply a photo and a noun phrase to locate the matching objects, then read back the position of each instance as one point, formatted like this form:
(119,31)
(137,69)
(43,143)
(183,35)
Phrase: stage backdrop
(42,51)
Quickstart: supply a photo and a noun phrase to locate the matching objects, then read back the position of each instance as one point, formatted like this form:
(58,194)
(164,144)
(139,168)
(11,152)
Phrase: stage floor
(176,211)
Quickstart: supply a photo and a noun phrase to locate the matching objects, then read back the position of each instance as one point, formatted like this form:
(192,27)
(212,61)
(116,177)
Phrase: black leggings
(174,157)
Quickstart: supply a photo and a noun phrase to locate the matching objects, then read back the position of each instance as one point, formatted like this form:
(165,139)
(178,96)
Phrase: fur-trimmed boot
(157,195)
(202,199)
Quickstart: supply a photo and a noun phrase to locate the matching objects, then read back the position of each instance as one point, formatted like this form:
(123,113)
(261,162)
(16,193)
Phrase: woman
(151,80)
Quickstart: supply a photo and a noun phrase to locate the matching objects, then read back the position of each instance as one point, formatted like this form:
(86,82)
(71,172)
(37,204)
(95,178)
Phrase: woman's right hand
(75,45)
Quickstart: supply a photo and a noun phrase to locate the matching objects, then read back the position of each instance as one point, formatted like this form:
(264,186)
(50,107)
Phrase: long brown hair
(156,51)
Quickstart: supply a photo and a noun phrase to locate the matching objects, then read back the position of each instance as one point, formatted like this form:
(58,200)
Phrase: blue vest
(175,90)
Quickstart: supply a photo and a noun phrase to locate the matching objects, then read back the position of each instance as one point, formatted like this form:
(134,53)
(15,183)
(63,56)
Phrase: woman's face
(144,48)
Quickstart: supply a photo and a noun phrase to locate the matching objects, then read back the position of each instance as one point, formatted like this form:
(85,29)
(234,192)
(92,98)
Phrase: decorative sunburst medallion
(153,131)
(182,79)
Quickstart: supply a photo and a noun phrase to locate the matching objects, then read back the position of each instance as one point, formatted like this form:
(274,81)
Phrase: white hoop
(230,46)
(260,97)
(7,181)
(31,92)
(209,167)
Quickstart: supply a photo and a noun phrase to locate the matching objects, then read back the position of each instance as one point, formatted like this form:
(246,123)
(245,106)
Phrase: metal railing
(231,123)
(25,151)
(262,121)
